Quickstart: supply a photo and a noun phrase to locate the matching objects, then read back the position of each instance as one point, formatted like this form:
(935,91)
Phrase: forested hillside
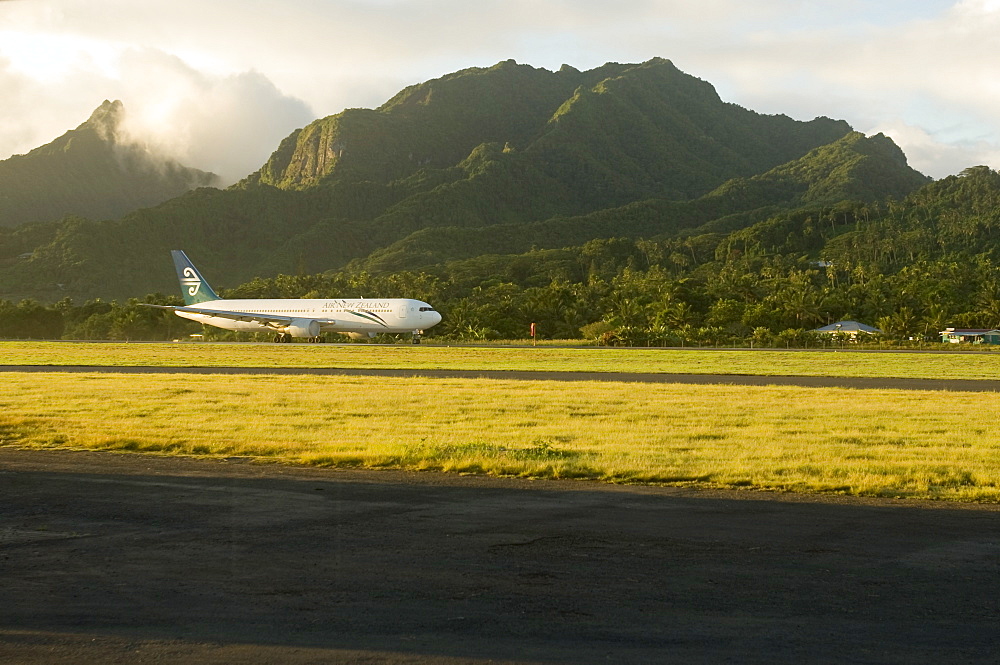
(90,171)
(853,168)
(507,145)
(627,204)
(911,267)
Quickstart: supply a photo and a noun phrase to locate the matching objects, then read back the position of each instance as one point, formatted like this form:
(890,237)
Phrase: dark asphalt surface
(959,385)
(117,558)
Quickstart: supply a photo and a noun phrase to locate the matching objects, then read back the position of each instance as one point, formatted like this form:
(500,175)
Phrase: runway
(122,558)
(956,385)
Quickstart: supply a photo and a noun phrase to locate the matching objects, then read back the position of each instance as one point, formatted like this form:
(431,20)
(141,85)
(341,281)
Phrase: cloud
(933,72)
(339,53)
(33,113)
(931,155)
(227,124)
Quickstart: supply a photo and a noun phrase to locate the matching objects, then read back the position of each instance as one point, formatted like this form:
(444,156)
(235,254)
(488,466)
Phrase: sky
(218,84)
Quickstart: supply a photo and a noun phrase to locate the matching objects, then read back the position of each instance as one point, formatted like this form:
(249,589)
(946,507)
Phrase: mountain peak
(561,117)
(106,119)
(94,170)
(107,109)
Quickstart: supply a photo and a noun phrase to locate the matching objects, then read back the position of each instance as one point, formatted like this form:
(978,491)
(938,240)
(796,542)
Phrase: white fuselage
(389,315)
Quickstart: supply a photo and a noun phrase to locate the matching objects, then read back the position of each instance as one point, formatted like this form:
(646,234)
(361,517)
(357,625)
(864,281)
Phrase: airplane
(358,318)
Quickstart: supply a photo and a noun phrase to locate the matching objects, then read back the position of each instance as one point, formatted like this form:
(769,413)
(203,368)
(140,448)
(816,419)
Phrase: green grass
(765,362)
(873,443)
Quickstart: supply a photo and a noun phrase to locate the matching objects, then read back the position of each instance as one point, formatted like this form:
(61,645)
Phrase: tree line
(910,268)
(612,291)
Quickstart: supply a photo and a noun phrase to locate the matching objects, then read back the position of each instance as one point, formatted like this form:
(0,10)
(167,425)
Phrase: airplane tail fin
(193,285)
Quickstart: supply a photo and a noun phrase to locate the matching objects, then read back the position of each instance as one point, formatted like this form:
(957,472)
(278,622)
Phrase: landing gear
(282,338)
(416,336)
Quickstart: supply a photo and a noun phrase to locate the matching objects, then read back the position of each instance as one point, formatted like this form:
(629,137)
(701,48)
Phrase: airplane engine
(356,335)
(303,328)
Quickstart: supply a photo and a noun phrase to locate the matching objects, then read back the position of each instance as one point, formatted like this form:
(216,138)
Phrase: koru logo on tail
(191,280)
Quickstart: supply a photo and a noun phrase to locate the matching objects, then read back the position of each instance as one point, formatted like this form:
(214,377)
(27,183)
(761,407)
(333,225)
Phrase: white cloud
(930,155)
(226,124)
(34,113)
(935,73)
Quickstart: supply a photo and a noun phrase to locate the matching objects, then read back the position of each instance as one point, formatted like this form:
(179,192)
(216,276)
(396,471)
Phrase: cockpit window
(426,309)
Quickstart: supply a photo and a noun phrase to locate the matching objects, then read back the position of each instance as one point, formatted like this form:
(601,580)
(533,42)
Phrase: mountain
(485,160)
(90,171)
(606,136)
(853,168)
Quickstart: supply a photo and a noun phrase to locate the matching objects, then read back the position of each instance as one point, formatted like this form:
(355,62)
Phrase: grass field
(762,362)
(872,442)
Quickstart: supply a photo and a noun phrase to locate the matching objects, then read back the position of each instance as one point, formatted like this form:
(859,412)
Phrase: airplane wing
(271,320)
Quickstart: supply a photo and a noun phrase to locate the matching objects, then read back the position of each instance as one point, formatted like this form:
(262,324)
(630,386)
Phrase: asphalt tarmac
(119,558)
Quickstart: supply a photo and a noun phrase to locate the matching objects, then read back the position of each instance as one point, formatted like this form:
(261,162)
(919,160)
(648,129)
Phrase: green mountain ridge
(912,267)
(620,131)
(854,168)
(484,161)
(90,171)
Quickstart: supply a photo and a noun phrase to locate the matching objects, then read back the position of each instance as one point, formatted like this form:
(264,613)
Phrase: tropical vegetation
(626,204)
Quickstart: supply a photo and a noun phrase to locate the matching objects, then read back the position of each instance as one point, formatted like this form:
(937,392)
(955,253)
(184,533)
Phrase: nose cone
(435,319)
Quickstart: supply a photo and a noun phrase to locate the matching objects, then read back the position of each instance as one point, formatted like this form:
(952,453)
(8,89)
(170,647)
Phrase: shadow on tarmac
(112,557)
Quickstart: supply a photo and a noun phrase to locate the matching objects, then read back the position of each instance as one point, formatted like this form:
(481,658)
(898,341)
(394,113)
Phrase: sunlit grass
(765,362)
(872,442)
